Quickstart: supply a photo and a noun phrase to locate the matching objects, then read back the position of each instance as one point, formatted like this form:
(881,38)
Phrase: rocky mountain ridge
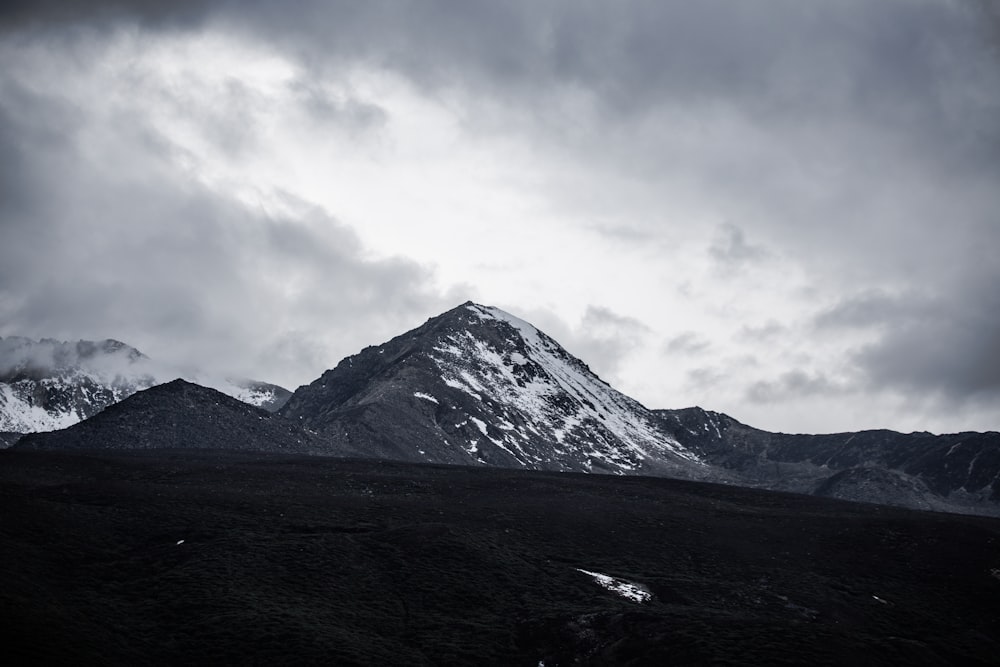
(950,472)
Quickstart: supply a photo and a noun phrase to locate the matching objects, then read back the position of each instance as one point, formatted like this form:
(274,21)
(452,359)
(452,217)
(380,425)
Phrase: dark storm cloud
(628,50)
(27,14)
(909,67)
(931,343)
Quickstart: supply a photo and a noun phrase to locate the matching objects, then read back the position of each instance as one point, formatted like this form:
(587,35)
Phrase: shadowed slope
(231,558)
(180,414)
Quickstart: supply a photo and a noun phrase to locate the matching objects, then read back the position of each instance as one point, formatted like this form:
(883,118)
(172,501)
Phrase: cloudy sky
(787,211)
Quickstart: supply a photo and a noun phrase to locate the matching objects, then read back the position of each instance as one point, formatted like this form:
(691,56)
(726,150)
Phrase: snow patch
(618,427)
(629,590)
(480,424)
(426,397)
(455,384)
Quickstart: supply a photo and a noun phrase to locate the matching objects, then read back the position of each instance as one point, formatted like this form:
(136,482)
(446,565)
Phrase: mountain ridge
(948,472)
(478,386)
(50,384)
(181,415)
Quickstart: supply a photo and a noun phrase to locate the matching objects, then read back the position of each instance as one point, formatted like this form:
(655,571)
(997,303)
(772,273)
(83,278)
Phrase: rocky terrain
(955,472)
(227,557)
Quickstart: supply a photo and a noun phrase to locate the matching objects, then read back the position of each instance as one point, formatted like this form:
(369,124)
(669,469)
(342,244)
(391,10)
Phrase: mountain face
(182,415)
(48,384)
(954,472)
(478,386)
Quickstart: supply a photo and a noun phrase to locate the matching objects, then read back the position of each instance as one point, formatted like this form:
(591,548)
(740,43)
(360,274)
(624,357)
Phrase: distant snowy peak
(28,405)
(478,386)
(107,360)
(260,394)
(49,384)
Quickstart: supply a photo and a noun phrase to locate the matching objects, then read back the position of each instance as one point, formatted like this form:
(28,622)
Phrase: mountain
(182,415)
(48,384)
(478,386)
(953,472)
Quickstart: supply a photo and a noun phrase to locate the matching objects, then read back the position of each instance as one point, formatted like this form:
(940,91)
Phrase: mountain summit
(478,386)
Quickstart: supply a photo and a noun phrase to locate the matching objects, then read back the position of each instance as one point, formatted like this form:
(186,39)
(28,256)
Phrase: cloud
(930,344)
(28,14)
(764,333)
(855,144)
(732,251)
(603,339)
(120,242)
(687,343)
(870,308)
(792,385)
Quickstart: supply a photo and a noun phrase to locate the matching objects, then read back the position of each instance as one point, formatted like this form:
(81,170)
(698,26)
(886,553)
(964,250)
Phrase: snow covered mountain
(478,386)
(48,384)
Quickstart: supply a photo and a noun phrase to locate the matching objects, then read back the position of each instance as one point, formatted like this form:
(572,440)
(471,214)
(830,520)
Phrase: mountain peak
(478,385)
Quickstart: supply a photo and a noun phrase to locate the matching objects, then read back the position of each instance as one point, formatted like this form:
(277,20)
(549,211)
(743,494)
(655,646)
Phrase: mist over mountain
(49,384)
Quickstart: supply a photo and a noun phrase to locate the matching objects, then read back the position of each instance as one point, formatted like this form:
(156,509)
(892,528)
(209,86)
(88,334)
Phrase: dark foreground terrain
(225,557)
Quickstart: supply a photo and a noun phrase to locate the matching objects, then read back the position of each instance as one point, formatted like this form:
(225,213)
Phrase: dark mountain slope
(954,472)
(179,414)
(212,557)
(478,386)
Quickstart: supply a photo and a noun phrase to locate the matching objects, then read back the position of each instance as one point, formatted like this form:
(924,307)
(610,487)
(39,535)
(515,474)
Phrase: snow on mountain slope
(479,386)
(48,384)
(530,373)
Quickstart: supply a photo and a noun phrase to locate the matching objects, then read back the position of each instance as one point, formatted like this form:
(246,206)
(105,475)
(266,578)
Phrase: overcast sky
(787,211)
